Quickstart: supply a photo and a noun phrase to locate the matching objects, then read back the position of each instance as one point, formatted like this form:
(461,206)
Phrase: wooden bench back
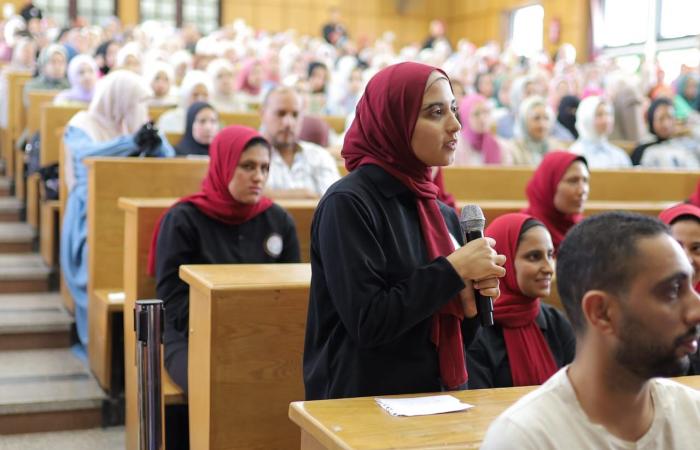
(15,116)
(508,183)
(37,99)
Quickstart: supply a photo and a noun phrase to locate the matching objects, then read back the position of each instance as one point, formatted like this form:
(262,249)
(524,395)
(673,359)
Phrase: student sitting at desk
(228,221)
(627,289)
(531,340)
(115,124)
(200,129)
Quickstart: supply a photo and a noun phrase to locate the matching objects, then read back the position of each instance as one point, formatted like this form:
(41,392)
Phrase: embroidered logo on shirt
(274,245)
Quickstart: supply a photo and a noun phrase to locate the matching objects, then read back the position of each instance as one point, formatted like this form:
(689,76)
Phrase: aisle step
(23,272)
(34,321)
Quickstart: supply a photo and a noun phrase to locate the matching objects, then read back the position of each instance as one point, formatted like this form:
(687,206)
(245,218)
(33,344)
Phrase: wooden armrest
(113,304)
(172,392)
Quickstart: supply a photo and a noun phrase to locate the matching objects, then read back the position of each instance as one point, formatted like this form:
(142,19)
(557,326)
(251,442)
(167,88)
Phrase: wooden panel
(48,240)
(33,182)
(53,120)
(15,108)
(109,179)
(508,183)
(140,217)
(37,99)
(247,325)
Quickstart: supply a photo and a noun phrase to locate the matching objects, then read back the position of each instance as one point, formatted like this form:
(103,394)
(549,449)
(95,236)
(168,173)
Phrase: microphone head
(472,218)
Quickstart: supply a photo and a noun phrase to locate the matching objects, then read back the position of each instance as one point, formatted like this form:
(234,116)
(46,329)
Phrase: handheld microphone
(472,222)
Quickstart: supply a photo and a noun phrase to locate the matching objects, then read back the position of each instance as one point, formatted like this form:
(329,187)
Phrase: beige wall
(477,20)
(484,20)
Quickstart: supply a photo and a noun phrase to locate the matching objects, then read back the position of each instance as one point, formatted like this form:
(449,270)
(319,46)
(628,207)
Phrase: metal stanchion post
(148,324)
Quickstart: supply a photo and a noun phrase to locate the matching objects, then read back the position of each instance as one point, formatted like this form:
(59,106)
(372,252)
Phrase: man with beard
(626,286)
(298,169)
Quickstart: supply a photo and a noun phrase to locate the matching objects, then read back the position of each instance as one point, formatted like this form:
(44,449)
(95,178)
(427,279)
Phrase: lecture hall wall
(477,20)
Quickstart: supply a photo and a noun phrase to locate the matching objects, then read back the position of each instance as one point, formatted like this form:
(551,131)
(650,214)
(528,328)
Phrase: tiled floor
(24,265)
(94,439)
(16,232)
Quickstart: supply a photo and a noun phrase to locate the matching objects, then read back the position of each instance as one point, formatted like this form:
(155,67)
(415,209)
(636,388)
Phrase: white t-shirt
(313,168)
(551,418)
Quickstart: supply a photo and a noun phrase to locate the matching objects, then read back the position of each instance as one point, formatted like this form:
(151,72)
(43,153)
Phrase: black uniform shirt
(374,291)
(487,358)
(188,236)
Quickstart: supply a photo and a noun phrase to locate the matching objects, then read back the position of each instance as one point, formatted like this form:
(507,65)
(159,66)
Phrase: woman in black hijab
(660,127)
(565,127)
(201,127)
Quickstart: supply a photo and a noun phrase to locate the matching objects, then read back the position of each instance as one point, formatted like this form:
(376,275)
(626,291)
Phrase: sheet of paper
(422,406)
(116,296)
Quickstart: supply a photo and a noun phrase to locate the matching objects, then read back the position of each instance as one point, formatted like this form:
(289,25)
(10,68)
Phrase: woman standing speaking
(392,307)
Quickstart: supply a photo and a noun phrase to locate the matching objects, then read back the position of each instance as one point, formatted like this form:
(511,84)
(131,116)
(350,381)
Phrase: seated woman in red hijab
(391,307)
(557,193)
(530,340)
(684,220)
(228,221)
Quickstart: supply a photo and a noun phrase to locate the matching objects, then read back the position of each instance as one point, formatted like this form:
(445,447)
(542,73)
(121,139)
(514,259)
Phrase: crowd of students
(397,314)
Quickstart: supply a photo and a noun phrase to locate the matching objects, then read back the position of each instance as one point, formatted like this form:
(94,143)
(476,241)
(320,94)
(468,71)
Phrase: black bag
(49,178)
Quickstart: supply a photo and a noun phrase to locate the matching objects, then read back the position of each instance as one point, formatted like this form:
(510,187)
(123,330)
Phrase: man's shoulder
(533,417)
(314,150)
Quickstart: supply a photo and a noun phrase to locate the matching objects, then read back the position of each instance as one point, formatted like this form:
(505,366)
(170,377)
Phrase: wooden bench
(108,180)
(15,117)
(361,423)
(632,185)
(140,217)
(247,326)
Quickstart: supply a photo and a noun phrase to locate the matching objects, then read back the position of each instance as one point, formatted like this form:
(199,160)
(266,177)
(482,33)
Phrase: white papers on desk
(422,406)
(116,296)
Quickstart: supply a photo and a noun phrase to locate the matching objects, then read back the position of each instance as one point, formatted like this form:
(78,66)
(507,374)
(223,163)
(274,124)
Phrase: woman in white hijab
(129,57)
(594,123)
(196,87)
(532,127)
(223,96)
(160,76)
(23,60)
(113,125)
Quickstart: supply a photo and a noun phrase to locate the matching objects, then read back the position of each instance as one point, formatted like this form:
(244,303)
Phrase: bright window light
(527,30)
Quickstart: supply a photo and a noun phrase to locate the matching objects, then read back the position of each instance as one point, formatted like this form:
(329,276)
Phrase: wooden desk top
(361,423)
(226,277)
(133,204)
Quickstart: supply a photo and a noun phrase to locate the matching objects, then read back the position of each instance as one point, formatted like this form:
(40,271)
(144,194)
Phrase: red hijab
(483,143)
(214,199)
(381,134)
(531,360)
(669,215)
(695,198)
(541,190)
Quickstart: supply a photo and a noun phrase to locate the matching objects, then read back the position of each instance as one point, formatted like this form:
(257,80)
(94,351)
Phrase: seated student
(51,75)
(115,124)
(666,151)
(196,87)
(82,76)
(531,340)
(477,145)
(202,125)
(557,193)
(249,84)
(298,169)
(161,77)
(564,127)
(594,122)
(223,95)
(684,220)
(228,221)
(626,287)
(532,140)
(695,197)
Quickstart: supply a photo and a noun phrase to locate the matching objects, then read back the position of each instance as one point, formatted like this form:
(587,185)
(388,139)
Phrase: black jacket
(374,292)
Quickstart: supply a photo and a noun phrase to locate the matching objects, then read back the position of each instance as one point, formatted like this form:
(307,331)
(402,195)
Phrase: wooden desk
(247,326)
(356,423)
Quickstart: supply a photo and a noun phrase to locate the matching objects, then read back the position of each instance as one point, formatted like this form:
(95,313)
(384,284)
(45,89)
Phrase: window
(63,11)
(679,18)
(625,22)
(204,14)
(96,11)
(55,9)
(527,30)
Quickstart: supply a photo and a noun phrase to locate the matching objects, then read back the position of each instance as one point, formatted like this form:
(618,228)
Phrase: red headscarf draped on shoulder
(541,190)
(215,200)
(531,360)
(669,215)
(695,198)
(381,134)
